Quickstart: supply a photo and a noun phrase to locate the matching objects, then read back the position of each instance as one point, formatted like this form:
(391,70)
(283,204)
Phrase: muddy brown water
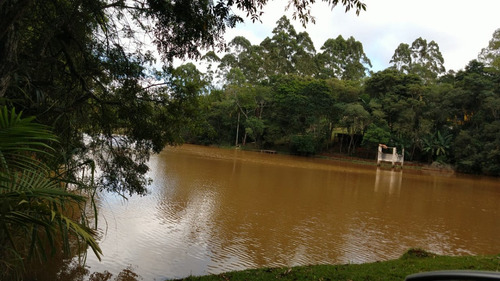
(213,210)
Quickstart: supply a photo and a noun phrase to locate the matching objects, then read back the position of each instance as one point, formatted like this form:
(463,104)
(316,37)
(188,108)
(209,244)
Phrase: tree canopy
(422,58)
(85,69)
(445,118)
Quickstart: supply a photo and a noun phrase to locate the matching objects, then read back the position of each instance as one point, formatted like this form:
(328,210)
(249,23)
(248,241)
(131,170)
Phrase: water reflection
(388,180)
(213,210)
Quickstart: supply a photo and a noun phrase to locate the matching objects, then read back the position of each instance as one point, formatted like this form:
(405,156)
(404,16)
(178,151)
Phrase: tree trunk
(341,142)
(10,12)
(8,46)
(237,130)
(349,151)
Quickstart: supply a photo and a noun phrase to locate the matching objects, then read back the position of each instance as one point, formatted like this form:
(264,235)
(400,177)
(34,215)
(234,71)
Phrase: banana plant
(437,144)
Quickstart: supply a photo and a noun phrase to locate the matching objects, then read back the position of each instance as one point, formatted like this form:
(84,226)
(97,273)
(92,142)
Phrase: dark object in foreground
(457,275)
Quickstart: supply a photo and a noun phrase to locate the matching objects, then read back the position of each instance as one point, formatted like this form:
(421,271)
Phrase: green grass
(413,261)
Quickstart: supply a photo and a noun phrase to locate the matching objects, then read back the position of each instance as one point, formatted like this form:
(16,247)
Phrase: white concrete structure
(390,157)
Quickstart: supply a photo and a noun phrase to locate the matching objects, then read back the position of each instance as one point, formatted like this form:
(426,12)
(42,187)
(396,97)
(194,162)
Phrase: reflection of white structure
(393,157)
(388,181)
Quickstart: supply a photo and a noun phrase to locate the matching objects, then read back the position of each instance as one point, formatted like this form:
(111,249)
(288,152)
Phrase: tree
(220,113)
(280,49)
(254,127)
(476,146)
(303,144)
(402,58)
(243,97)
(355,119)
(420,58)
(303,11)
(490,55)
(288,52)
(245,57)
(304,58)
(375,135)
(398,100)
(343,59)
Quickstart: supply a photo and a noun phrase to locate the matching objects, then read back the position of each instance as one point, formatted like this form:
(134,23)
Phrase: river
(212,210)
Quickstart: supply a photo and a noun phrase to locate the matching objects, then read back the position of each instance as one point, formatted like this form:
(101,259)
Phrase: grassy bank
(413,261)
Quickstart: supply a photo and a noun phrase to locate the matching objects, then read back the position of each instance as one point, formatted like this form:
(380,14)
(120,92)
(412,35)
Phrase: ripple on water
(213,210)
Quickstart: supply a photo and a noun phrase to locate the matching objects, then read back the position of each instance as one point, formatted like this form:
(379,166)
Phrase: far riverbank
(434,167)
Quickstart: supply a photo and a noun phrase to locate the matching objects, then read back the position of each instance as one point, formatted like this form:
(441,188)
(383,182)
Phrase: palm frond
(35,203)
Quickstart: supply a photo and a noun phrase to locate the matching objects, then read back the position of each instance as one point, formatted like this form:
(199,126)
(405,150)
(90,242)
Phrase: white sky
(460,27)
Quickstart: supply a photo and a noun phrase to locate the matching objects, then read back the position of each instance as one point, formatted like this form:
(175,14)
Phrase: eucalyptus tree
(280,48)
(244,56)
(288,52)
(422,58)
(490,55)
(343,59)
(210,61)
(402,58)
(304,61)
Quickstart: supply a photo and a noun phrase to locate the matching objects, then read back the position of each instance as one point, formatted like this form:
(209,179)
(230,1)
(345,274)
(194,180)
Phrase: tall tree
(280,49)
(304,58)
(288,52)
(420,58)
(343,59)
(490,55)
(402,58)
(244,56)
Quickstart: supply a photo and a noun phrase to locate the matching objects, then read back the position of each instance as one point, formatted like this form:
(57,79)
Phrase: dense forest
(282,94)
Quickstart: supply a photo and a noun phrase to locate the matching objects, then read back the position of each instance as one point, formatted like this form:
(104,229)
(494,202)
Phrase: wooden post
(402,158)
(379,154)
(394,156)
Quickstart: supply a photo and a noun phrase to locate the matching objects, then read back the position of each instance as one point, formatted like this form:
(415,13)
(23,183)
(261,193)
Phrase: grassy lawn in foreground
(413,261)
